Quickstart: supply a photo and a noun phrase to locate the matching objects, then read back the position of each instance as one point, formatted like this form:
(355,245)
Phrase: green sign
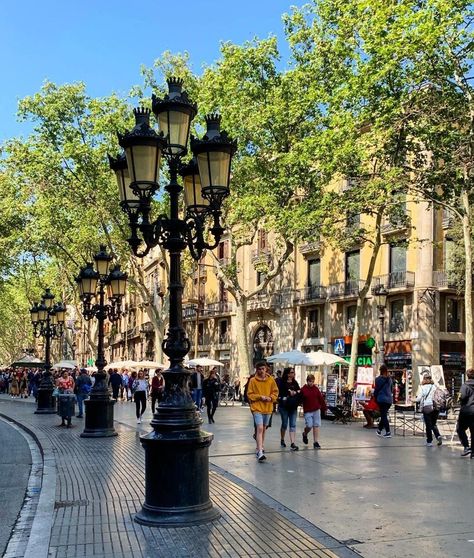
(364,360)
(370,343)
(90,362)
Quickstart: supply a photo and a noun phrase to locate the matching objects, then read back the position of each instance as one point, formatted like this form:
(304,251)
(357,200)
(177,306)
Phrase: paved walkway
(92,488)
(377,498)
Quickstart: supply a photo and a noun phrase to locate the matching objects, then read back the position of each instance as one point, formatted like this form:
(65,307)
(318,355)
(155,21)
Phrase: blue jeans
(383,423)
(80,402)
(288,416)
(197,397)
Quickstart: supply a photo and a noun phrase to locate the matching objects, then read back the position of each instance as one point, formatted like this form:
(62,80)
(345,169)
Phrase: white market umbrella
(204,361)
(149,364)
(314,358)
(121,364)
(320,358)
(91,368)
(66,364)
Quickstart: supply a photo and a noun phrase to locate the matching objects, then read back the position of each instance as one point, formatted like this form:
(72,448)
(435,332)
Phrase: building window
(350,317)
(260,277)
(223,250)
(200,333)
(222,292)
(398,266)
(262,240)
(453,315)
(353,221)
(397,318)
(314,329)
(223,331)
(314,273)
(352,273)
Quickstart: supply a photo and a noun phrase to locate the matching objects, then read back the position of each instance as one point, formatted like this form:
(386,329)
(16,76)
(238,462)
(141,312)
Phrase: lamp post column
(46,401)
(382,337)
(99,418)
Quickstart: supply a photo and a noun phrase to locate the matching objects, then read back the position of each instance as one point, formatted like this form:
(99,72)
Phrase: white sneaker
(261,456)
(139,420)
(429,444)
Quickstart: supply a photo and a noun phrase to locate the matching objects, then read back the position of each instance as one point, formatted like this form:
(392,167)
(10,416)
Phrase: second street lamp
(92,283)
(381,294)
(48,322)
(177,451)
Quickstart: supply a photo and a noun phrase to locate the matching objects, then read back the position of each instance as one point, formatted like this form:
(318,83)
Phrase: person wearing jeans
(430,415)
(140,392)
(466,414)
(383,396)
(288,400)
(83,388)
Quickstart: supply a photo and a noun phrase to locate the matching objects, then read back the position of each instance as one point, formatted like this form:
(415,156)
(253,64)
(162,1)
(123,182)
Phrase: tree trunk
(466,228)
(243,349)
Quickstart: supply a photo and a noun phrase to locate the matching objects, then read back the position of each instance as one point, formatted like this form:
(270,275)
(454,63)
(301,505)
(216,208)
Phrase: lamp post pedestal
(99,418)
(176,462)
(46,401)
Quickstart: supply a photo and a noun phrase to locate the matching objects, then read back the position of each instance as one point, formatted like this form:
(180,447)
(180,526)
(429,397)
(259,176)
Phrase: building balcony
(133,332)
(395,280)
(444,280)
(189,312)
(310,248)
(264,301)
(147,327)
(260,255)
(221,308)
(398,226)
(310,294)
(346,289)
(447,219)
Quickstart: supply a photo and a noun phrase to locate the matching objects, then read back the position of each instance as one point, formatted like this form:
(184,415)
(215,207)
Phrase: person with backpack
(83,387)
(466,414)
(425,400)
(384,397)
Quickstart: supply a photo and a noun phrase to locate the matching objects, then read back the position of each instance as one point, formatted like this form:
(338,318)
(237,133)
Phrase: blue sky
(104,42)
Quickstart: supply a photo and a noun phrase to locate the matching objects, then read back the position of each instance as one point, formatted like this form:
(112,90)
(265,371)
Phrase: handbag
(372,404)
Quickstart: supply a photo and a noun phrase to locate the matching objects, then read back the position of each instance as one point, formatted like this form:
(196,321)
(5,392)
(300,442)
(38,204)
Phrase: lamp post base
(176,477)
(46,401)
(99,419)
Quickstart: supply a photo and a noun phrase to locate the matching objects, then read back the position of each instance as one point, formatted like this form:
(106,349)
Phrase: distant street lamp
(92,283)
(381,294)
(48,322)
(177,451)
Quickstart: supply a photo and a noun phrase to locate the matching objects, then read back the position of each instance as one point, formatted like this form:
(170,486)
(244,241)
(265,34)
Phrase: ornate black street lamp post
(48,322)
(92,283)
(381,294)
(177,451)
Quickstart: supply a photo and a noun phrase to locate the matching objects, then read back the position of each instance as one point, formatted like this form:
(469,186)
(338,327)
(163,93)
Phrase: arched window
(262,343)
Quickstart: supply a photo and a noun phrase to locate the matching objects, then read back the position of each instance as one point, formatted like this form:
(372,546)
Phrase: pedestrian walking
(313,404)
(140,391)
(430,414)
(83,388)
(262,393)
(466,414)
(384,397)
(115,380)
(288,401)
(157,389)
(197,380)
(211,388)
(65,385)
(127,394)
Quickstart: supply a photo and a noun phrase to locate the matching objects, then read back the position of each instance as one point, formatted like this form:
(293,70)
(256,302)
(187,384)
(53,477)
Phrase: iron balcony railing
(395,280)
(310,247)
(444,279)
(348,288)
(264,301)
(314,292)
(217,308)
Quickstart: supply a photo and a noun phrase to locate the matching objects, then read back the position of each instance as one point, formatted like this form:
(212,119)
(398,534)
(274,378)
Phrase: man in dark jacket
(466,414)
(115,380)
(383,396)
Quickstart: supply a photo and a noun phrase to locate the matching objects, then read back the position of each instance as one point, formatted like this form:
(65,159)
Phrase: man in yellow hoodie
(262,393)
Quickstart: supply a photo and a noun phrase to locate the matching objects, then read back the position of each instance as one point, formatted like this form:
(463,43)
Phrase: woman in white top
(425,399)
(140,392)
